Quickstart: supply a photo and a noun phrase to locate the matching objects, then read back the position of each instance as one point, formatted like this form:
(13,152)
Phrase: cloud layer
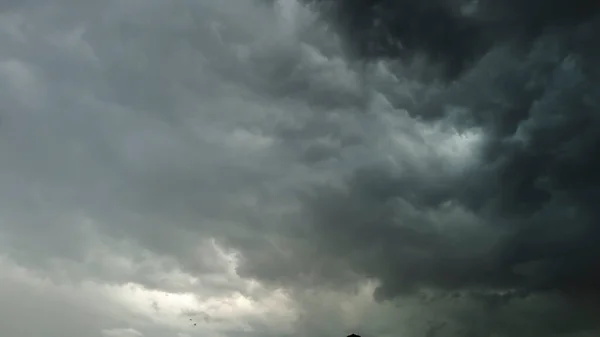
(261,169)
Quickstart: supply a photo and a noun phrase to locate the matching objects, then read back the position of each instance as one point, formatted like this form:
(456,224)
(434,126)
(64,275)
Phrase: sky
(279,168)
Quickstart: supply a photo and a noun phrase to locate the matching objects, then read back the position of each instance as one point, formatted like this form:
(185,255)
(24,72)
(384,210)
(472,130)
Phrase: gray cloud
(529,190)
(453,34)
(205,151)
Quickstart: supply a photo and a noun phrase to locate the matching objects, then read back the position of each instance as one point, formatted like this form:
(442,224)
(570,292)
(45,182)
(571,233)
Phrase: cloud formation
(452,34)
(260,169)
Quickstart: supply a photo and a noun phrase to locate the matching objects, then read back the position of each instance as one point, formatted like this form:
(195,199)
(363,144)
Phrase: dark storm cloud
(452,33)
(161,125)
(521,220)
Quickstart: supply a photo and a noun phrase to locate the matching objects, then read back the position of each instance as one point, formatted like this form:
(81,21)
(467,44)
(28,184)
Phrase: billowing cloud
(299,168)
(452,34)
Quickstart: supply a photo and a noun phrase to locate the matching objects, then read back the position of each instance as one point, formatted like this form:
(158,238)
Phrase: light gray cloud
(133,133)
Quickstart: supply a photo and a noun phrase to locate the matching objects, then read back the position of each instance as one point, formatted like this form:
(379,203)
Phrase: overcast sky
(229,168)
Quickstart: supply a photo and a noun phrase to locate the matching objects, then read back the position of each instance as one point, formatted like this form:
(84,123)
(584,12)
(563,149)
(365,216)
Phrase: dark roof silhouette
(353,335)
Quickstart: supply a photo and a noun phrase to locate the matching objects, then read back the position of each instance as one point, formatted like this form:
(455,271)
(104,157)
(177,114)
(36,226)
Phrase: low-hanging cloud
(438,180)
(519,220)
